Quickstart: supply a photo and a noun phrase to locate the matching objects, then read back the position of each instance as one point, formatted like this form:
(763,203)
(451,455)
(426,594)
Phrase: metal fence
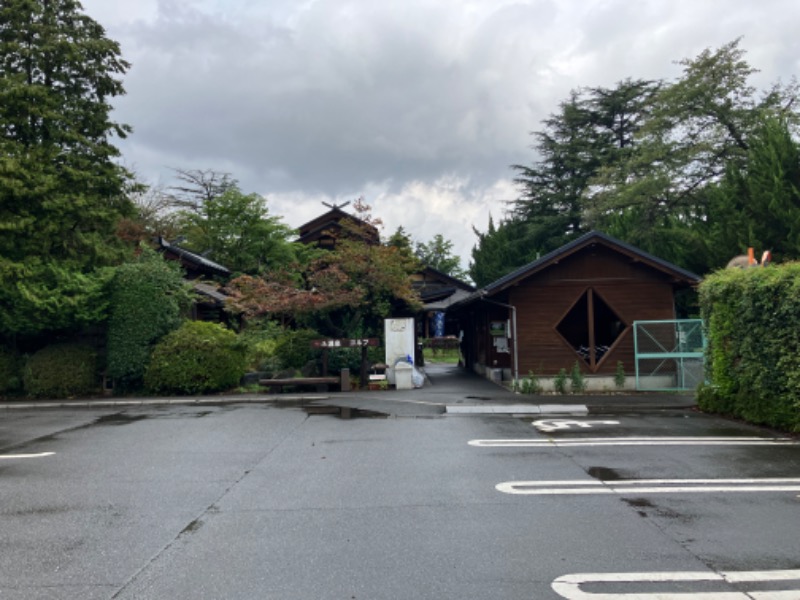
(669,354)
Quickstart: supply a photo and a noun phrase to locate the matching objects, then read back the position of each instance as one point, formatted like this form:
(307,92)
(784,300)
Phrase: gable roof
(315,228)
(431,276)
(675,272)
(681,276)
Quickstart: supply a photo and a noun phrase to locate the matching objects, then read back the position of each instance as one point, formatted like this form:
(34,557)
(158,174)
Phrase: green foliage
(753,352)
(147,299)
(438,254)
(236,230)
(259,339)
(196,358)
(619,376)
(500,250)
(560,381)
(528,385)
(62,371)
(294,348)
(61,191)
(643,161)
(577,380)
(10,371)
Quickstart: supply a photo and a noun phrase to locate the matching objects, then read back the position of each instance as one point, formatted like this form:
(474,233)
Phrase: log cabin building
(575,304)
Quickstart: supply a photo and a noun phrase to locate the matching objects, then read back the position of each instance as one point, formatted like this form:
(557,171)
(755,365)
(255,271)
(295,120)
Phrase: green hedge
(62,371)
(147,298)
(753,352)
(10,371)
(196,358)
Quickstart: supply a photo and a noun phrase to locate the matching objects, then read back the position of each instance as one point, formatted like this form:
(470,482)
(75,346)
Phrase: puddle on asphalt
(118,419)
(604,474)
(343,412)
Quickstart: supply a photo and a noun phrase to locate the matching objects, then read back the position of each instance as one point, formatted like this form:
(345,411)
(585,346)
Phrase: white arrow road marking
(648,486)
(568,586)
(14,456)
(548,425)
(634,441)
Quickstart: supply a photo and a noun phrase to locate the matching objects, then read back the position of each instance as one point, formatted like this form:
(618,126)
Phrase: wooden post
(364,367)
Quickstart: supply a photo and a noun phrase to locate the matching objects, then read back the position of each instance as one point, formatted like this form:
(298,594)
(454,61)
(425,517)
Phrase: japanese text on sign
(345,343)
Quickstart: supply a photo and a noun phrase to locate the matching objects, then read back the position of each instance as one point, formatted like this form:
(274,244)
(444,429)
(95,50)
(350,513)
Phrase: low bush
(197,357)
(62,371)
(10,371)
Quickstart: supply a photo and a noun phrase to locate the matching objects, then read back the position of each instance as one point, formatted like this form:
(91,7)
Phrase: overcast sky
(419,106)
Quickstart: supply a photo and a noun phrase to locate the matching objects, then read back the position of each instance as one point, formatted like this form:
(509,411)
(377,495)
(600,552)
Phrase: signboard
(345,343)
(497,328)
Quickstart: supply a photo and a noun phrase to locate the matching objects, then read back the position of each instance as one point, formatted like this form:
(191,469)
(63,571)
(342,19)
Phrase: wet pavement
(385,495)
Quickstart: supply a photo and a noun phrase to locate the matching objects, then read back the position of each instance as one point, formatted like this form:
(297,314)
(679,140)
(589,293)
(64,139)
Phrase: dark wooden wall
(633,291)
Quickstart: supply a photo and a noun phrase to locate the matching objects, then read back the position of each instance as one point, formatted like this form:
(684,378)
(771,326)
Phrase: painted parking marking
(17,456)
(548,425)
(649,486)
(634,441)
(569,586)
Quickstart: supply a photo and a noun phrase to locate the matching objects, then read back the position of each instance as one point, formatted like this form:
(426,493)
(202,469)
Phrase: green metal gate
(669,354)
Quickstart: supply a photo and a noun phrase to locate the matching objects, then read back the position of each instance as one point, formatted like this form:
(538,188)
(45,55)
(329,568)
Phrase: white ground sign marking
(569,586)
(40,455)
(548,425)
(634,441)
(648,486)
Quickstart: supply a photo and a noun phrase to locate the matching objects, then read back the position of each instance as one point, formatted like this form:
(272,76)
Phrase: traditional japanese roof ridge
(194,258)
(333,217)
(580,243)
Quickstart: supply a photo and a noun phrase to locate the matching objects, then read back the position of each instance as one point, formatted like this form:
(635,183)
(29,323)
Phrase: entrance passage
(669,354)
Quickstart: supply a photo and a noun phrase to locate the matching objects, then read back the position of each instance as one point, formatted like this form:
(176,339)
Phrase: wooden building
(323,230)
(577,303)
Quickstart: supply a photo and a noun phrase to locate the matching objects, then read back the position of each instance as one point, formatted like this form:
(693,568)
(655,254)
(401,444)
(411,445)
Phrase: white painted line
(648,486)
(568,586)
(548,425)
(515,409)
(15,456)
(572,409)
(634,441)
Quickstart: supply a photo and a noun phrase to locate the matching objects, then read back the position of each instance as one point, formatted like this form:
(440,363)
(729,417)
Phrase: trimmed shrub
(61,371)
(10,371)
(753,351)
(147,298)
(197,357)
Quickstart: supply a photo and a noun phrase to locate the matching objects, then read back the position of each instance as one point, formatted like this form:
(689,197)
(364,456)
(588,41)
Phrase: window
(591,327)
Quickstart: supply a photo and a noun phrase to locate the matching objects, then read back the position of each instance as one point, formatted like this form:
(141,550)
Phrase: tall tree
(698,127)
(757,203)
(438,254)
(236,230)
(500,250)
(594,129)
(61,193)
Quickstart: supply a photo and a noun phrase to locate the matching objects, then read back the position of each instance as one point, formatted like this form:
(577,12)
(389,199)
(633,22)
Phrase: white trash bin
(402,376)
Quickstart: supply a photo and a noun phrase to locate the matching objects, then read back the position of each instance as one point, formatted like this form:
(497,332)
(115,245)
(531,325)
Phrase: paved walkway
(448,389)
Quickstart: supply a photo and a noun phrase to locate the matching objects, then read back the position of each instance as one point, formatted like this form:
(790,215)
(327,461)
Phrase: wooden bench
(320,383)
